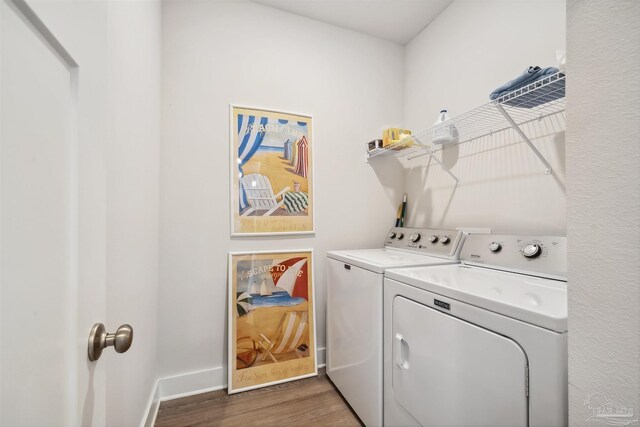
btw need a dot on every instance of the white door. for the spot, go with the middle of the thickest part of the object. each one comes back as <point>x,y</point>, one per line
<point>447,372</point>
<point>51,275</point>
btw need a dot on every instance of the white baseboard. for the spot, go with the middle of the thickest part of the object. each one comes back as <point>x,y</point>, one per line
<point>321,355</point>
<point>182,385</point>
<point>153,405</point>
<point>190,383</point>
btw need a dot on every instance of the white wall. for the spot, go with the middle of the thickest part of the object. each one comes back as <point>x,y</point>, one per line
<point>133,164</point>
<point>466,52</point>
<point>603,203</point>
<point>216,53</point>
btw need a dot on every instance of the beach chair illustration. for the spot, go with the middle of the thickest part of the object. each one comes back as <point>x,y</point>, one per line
<point>292,333</point>
<point>259,193</point>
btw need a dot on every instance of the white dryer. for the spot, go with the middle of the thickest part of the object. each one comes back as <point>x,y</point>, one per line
<point>354,309</point>
<point>481,343</point>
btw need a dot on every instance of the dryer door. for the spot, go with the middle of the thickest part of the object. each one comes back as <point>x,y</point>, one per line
<point>448,372</point>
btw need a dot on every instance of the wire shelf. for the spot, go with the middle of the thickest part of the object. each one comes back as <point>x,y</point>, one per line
<point>408,143</point>
<point>530,103</point>
<point>534,102</point>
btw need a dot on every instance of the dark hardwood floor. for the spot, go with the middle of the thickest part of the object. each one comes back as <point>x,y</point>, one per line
<point>312,401</point>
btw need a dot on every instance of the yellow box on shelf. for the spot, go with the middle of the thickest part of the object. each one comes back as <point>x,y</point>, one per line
<point>396,138</point>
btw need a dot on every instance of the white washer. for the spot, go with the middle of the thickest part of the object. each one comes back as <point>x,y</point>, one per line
<point>482,343</point>
<point>354,309</point>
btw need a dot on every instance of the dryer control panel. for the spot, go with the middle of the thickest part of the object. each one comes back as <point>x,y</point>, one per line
<point>428,241</point>
<point>536,255</point>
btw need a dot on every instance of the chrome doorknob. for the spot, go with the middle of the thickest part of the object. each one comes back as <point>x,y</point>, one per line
<point>99,339</point>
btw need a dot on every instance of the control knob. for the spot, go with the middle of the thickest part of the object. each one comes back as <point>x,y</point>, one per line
<point>531,250</point>
<point>400,236</point>
<point>433,238</point>
<point>495,247</point>
<point>414,237</point>
<point>445,240</point>
<point>392,235</point>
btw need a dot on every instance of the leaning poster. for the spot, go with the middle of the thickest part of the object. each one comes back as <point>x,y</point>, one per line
<point>271,172</point>
<point>271,318</point>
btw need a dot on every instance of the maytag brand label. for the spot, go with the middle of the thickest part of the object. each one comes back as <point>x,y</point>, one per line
<point>442,304</point>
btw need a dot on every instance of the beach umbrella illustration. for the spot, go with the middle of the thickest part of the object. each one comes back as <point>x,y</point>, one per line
<point>294,279</point>
<point>243,304</point>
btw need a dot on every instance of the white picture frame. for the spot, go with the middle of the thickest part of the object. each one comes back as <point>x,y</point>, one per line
<point>282,202</point>
<point>271,339</point>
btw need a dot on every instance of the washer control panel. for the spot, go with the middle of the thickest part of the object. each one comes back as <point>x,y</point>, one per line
<point>426,240</point>
<point>539,255</point>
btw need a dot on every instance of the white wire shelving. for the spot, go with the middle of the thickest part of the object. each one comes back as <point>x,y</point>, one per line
<point>535,102</point>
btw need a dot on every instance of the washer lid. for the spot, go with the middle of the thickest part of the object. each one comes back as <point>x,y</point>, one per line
<point>538,301</point>
<point>378,260</point>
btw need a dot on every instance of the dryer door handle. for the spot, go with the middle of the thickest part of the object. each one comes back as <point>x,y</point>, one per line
<point>400,351</point>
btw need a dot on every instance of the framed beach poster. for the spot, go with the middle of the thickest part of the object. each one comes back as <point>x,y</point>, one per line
<point>271,172</point>
<point>271,318</point>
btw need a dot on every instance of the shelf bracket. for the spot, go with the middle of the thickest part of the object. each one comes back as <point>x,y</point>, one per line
<point>526,139</point>
<point>433,156</point>
<point>446,169</point>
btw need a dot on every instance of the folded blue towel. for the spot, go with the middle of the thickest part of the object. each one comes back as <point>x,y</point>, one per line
<point>530,75</point>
